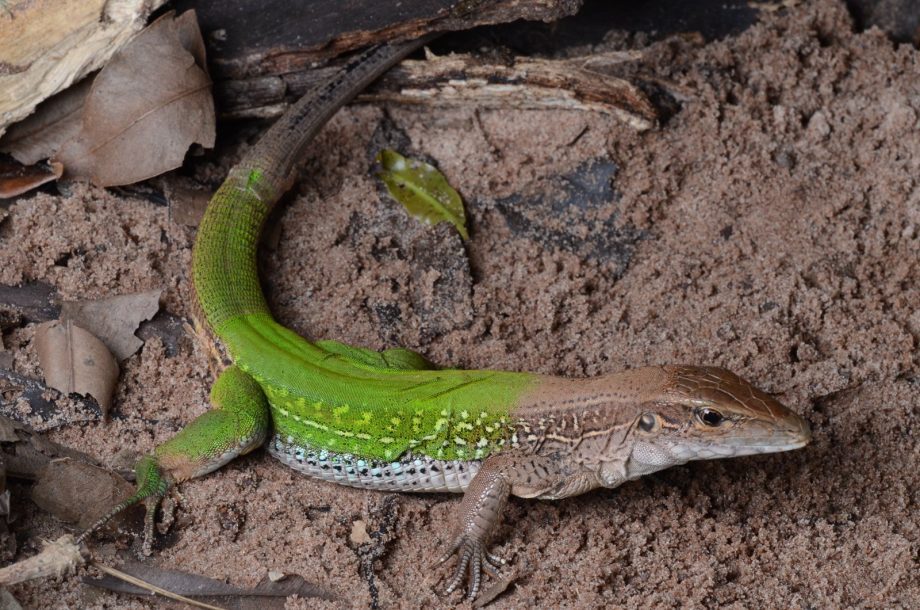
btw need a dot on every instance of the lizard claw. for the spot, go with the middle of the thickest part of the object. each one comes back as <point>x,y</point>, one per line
<point>473,560</point>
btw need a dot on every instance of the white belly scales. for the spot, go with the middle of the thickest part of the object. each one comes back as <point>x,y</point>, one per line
<point>408,473</point>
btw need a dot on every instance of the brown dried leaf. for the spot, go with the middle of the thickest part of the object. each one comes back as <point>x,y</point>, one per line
<point>190,37</point>
<point>146,107</point>
<point>114,320</point>
<point>267,595</point>
<point>79,493</point>
<point>16,179</point>
<point>56,558</point>
<point>55,121</point>
<point>75,361</point>
<point>26,452</point>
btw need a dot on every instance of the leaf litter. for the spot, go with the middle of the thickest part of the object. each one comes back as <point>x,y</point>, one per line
<point>267,595</point>
<point>115,319</point>
<point>78,352</point>
<point>54,122</point>
<point>146,107</point>
<point>74,360</point>
<point>67,483</point>
<point>16,179</point>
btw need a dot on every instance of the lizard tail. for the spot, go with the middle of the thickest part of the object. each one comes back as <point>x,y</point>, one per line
<point>224,259</point>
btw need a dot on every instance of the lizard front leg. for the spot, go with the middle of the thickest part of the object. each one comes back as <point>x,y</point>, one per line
<point>481,509</point>
<point>237,423</point>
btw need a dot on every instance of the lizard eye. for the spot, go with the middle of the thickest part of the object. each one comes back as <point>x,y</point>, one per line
<point>647,422</point>
<point>710,417</point>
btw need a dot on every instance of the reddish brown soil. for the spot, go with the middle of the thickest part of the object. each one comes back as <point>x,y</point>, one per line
<point>772,227</point>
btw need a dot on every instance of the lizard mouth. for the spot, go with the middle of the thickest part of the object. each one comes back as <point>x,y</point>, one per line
<point>795,435</point>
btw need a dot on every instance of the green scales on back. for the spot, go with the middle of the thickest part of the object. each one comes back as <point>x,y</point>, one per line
<point>328,395</point>
<point>376,405</point>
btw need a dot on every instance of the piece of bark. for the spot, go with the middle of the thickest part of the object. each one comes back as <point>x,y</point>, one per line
<point>580,83</point>
<point>6,358</point>
<point>32,302</point>
<point>74,360</point>
<point>248,38</point>
<point>57,558</point>
<point>47,45</point>
<point>529,83</point>
<point>29,401</point>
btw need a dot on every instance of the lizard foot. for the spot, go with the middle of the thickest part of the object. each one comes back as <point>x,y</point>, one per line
<point>152,485</point>
<point>473,560</point>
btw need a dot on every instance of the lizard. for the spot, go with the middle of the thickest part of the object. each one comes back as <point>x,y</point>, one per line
<point>391,420</point>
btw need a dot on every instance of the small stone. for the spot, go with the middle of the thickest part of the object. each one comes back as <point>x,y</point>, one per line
<point>359,533</point>
<point>818,127</point>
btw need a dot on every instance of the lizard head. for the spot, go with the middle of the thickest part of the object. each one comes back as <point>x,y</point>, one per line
<point>705,413</point>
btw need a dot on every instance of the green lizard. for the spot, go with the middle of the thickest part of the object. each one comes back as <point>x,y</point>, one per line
<point>390,420</point>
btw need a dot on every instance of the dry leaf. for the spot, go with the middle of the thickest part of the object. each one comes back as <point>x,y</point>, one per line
<point>76,492</point>
<point>114,320</point>
<point>55,121</point>
<point>56,559</point>
<point>264,596</point>
<point>146,107</point>
<point>16,179</point>
<point>73,360</point>
<point>190,37</point>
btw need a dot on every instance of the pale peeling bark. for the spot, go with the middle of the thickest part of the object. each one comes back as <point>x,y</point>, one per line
<point>47,45</point>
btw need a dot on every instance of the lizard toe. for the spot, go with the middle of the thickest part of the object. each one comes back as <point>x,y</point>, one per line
<point>472,560</point>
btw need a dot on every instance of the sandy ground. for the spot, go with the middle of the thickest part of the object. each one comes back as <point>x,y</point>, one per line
<point>771,227</point>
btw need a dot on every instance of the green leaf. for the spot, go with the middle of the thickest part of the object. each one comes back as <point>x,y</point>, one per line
<point>422,190</point>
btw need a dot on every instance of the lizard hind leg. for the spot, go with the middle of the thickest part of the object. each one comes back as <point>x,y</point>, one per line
<point>237,423</point>
<point>479,512</point>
